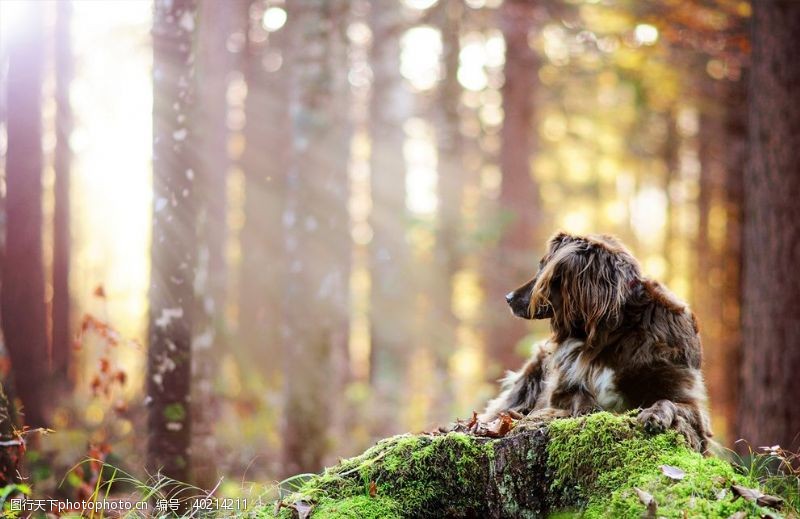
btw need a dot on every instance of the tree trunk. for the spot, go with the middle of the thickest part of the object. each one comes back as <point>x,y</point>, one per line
<point>768,410</point>
<point>317,232</point>
<point>391,297</point>
<point>23,309</point>
<point>10,453</point>
<point>515,259</point>
<point>61,341</point>
<point>450,191</point>
<point>215,64</point>
<point>174,240</point>
<point>736,156</point>
<point>265,162</point>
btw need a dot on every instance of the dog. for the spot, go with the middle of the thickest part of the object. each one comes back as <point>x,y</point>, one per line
<point>620,341</point>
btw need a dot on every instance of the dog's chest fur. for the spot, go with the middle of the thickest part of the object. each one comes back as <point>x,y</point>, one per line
<point>569,365</point>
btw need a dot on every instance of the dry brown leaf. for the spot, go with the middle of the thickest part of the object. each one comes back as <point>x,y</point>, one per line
<point>756,496</point>
<point>373,489</point>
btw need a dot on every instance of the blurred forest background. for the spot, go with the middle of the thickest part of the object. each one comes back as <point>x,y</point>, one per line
<point>276,231</point>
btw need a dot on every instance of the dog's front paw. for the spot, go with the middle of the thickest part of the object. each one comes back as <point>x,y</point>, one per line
<point>586,409</point>
<point>655,420</point>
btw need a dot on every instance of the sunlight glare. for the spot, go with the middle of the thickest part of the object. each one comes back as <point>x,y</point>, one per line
<point>645,34</point>
<point>420,154</point>
<point>472,60</point>
<point>13,17</point>
<point>648,214</point>
<point>419,58</point>
<point>274,18</point>
<point>113,156</point>
<point>420,5</point>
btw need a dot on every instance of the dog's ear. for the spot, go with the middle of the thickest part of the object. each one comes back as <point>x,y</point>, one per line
<point>591,282</point>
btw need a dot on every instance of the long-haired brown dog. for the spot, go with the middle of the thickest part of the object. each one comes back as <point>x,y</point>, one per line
<point>620,341</point>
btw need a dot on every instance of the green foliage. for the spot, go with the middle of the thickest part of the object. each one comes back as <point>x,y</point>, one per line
<point>777,470</point>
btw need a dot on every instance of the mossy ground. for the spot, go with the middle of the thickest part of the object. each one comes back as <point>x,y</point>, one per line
<point>596,461</point>
<point>401,476</point>
<point>606,456</point>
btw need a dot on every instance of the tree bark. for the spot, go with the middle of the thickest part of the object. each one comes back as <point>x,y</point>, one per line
<point>265,162</point>
<point>23,308</point>
<point>768,410</point>
<point>515,259</point>
<point>215,64</point>
<point>316,223</point>
<point>174,240</point>
<point>61,341</point>
<point>391,298</point>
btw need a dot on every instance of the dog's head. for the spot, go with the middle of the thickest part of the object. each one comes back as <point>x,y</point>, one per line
<point>582,285</point>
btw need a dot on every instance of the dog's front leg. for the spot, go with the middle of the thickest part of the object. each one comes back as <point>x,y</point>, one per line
<point>577,400</point>
<point>683,418</point>
<point>521,389</point>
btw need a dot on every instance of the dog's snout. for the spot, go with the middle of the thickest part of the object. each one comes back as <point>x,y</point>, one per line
<point>509,297</point>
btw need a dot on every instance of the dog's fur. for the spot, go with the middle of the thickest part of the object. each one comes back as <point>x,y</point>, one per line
<point>620,341</point>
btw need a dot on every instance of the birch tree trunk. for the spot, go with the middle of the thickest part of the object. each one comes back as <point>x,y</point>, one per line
<point>174,240</point>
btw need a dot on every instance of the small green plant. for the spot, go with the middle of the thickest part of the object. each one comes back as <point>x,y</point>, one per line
<point>777,469</point>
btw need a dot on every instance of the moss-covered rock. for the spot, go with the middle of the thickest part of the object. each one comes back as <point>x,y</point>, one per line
<point>589,465</point>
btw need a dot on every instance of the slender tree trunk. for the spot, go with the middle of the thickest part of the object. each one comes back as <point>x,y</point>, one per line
<point>391,297</point>
<point>264,162</point>
<point>450,190</point>
<point>23,309</point>
<point>174,239</point>
<point>710,256</point>
<point>768,408</point>
<point>736,156</point>
<point>62,338</point>
<point>671,152</point>
<point>519,198</point>
<point>318,236</point>
<point>215,63</point>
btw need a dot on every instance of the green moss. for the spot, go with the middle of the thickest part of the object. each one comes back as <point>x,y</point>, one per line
<point>411,475</point>
<point>358,507</point>
<point>175,413</point>
<point>603,457</point>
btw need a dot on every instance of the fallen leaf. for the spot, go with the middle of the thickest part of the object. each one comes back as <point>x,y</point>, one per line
<point>756,496</point>
<point>738,515</point>
<point>373,489</point>
<point>499,427</point>
<point>673,473</point>
<point>647,500</point>
<point>473,420</point>
<point>303,509</point>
